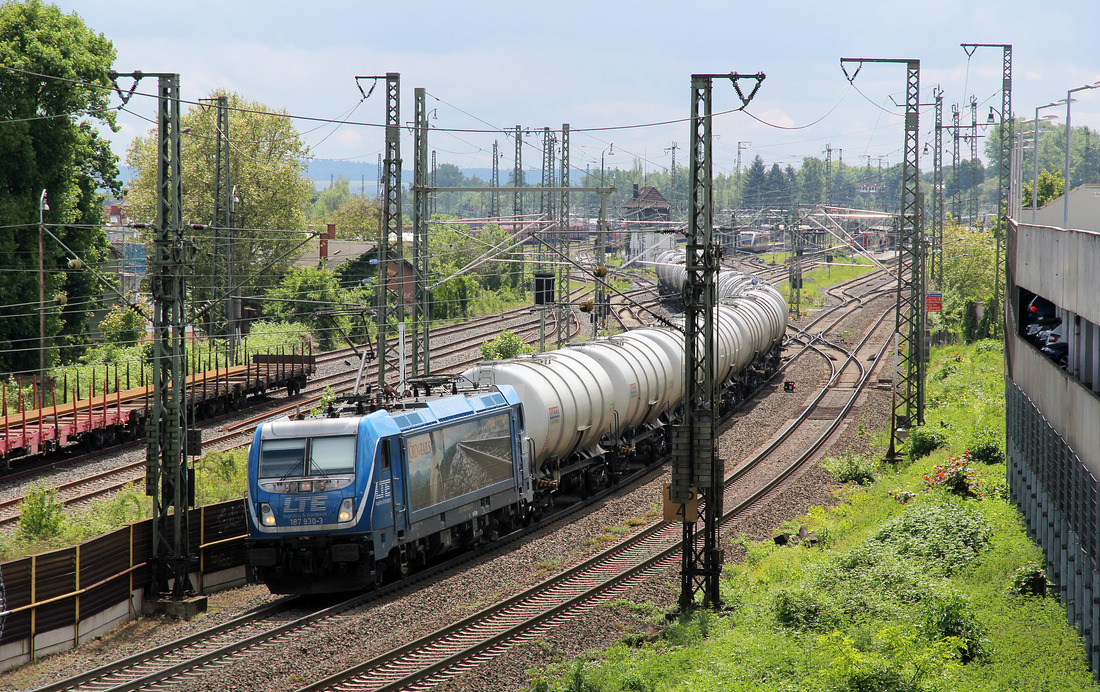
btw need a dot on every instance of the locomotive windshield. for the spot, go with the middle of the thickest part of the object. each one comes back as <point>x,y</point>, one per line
<point>307,456</point>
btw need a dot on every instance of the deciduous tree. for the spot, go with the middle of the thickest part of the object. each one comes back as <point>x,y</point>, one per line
<point>54,90</point>
<point>267,173</point>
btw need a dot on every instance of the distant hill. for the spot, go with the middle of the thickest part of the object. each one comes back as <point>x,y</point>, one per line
<point>363,177</point>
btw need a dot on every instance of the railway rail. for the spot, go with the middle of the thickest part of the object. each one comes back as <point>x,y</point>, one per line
<point>463,644</point>
<point>459,352</point>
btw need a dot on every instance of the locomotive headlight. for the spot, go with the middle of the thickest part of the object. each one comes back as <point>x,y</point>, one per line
<point>346,508</point>
<point>266,515</point>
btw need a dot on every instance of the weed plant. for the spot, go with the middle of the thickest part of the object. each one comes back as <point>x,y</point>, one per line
<point>911,587</point>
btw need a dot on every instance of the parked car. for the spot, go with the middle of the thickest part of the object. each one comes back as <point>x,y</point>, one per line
<point>1041,310</point>
<point>1056,347</point>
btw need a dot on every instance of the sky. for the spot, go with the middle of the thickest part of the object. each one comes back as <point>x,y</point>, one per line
<point>618,73</point>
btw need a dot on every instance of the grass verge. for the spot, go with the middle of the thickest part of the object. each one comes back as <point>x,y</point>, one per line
<point>922,579</point>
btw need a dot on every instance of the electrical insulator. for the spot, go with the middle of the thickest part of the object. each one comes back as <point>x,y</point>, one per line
<point>586,306</point>
<point>601,272</point>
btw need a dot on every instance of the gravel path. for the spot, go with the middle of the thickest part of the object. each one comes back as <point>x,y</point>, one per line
<point>288,666</point>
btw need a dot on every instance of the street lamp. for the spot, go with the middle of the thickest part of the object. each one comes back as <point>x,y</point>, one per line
<point>1035,156</point>
<point>1065,196</point>
<point>610,151</point>
<point>42,209</point>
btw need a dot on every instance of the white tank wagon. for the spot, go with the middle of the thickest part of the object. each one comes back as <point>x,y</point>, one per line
<point>594,407</point>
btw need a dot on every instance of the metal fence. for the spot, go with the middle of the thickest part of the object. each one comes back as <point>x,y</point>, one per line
<point>1057,496</point>
<point>56,600</point>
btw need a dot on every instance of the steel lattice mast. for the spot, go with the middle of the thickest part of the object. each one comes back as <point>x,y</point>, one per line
<point>391,306</point>
<point>221,268</point>
<point>696,468</point>
<point>421,355</point>
<point>564,285</point>
<point>937,192</point>
<point>908,406</point>
<point>1004,158</point>
<point>168,478</point>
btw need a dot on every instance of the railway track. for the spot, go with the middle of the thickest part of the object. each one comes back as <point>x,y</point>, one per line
<point>613,573</point>
<point>458,352</point>
<point>574,592</point>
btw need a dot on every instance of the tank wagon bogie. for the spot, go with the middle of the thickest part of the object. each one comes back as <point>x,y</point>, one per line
<point>339,503</point>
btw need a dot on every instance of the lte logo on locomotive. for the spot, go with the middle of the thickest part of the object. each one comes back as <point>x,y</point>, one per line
<point>292,505</point>
<point>383,491</point>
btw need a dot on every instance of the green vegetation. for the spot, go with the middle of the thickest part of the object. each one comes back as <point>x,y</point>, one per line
<point>815,281</point>
<point>52,153</point>
<point>270,193</point>
<point>921,580</point>
<point>45,525</point>
<point>507,344</point>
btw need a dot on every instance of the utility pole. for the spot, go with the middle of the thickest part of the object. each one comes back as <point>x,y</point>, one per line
<point>741,146</point>
<point>494,199</point>
<point>672,177</point>
<point>794,277</point>
<point>421,356</point>
<point>42,209</point>
<point>391,294</point>
<point>828,175</point>
<point>697,472</point>
<point>1004,179</point>
<point>937,192</point>
<point>565,288</point>
<point>432,197</point>
<point>168,478</point>
<point>956,197</point>
<point>972,197</point>
<point>221,268</point>
<point>517,212</point>
<point>908,405</point>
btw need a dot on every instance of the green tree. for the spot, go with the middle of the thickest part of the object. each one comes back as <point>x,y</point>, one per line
<point>54,89</point>
<point>969,262</point>
<point>314,296</point>
<point>330,199</point>
<point>1051,186</point>
<point>357,219</point>
<point>777,190</point>
<point>267,171</point>
<point>811,178</point>
<point>122,326</point>
<point>754,184</point>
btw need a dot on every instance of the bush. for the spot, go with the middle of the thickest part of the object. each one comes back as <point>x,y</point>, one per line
<point>946,534</point>
<point>923,441</point>
<point>989,346</point>
<point>1029,580</point>
<point>803,610</point>
<point>949,617</point>
<point>506,345</point>
<point>852,468</point>
<point>41,515</point>
<point>987,453</point>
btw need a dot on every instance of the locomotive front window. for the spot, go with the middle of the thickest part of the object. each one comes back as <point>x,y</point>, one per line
<point>281,458</point>
<point>332,455</point>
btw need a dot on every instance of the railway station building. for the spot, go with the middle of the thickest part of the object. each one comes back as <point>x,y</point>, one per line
<point>1052,393</point>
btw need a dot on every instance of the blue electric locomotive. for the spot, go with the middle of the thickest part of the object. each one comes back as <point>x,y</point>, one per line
<point>337,503</point>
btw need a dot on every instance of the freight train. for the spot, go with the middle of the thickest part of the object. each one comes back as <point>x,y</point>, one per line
<point>352,498</point>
